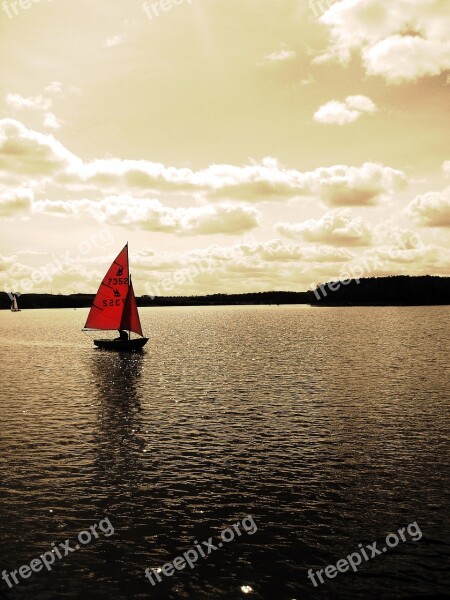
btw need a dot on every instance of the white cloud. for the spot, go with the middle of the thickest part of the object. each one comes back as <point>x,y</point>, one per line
<point>277,250</point>
<point>336,228</point>
<point>395,236</point>
<point>57,88</point>
<point>30,154</point>
<point>339,185</point>
<point>431,209</point>
<point>401,40</point>
<point>259,266</point>
<point>6,262</point>
<point>402,58</point>
<point>151,215</point>
<point>51,121</point>
<point>446,167</point>
<point>246,265</point>
<point>18,102</point>
<point>422,260</point>
<point>280,56</point>
<point>38,156</point>
<point>114,40</point>
<point>39,103</point>
<point>15,202</point>
<point>341,113</point>
<point>358,186</point>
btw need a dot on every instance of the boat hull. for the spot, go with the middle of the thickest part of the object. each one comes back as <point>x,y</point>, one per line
<point>122,345</point>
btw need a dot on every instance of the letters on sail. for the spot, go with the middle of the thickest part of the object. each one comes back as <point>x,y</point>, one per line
<point>114,306</point>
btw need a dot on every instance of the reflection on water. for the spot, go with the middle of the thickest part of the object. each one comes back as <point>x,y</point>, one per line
<point>117,442</point>
<point>330,427</point>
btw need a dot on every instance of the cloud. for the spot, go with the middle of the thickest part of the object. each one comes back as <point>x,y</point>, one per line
<point>18,102</point>
<point>446,167</point>
<point>28,153</point>
<point>338,185</point>
<point>431,209</point>
<point>358,186</point>
<point>15,202</point>
<point>401,40</point>
<point>334,228</point>
<point>66,276</point>
<point>243,266</point>
<point>280,56</point>
<point>40,103</point>
<point>341,113</point>
<point>115,40</point>
<point>6,262</point>
<point>57,88</point>
<point>395,236</point>
<point>151,215</point>
<point>248,264</point>
<point>277,250</point>
<point>405,58</point>
<point>51,121</point>
<point>391,260</point>
<point>41,156</point>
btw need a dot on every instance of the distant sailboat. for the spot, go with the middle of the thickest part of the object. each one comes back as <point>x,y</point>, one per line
<point>114,308</point>
<point>13,297</point>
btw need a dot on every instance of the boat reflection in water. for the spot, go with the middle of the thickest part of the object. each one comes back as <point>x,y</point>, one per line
<point>118,463</point>
<point>119,443</point>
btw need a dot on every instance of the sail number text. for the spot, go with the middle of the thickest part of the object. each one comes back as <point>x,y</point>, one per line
<point>113,302</point>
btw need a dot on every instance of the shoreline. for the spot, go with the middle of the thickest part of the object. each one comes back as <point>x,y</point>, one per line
<point>399,290</point>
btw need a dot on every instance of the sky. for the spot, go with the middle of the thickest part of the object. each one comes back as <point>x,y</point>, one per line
<point>236,145</point>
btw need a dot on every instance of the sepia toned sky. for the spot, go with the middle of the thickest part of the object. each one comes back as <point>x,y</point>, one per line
<point>237,145</point>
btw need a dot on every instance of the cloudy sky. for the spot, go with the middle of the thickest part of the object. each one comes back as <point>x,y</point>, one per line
<point>237,145</point>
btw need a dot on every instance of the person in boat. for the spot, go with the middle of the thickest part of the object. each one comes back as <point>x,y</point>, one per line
<point>123,336</point>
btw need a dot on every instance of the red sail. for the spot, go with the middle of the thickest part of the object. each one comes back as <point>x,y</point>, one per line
<point>108,305</point>
<point>130,317</point>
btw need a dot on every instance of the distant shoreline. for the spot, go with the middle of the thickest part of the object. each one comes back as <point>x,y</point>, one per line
<point>382,291</point>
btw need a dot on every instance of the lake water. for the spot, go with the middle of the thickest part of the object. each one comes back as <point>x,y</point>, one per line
<point>329,426</point>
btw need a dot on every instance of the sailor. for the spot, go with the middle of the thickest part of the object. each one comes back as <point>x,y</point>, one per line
<point>123,336</point>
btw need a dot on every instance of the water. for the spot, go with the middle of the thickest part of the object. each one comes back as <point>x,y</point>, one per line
<point>328,426</point>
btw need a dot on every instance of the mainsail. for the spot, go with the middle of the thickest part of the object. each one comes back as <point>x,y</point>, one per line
<point>114,305</point>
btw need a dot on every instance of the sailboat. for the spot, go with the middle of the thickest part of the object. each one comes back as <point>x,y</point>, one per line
<point>13,297</point>
<point>114,308</point>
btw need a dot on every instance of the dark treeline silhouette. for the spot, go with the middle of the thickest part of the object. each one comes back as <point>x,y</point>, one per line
<point>380,291</point>
<point>27,301</point>
<point>401,290</point>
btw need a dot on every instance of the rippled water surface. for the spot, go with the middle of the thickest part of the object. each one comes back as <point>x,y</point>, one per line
<point>329,426</point>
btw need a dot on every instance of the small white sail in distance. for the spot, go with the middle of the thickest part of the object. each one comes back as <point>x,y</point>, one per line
<point>13,297</point>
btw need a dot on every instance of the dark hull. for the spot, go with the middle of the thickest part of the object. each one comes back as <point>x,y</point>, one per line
<point>122,345</point>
